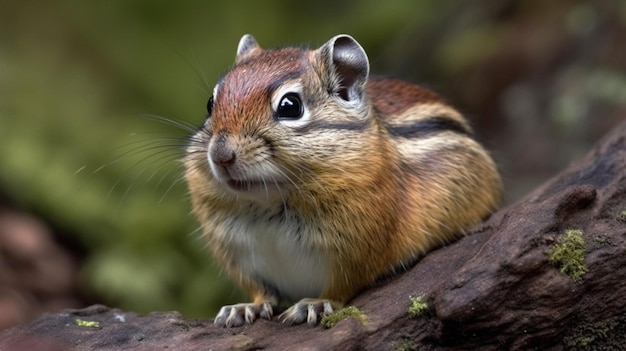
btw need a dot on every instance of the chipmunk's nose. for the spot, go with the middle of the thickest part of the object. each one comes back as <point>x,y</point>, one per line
<point>222,152</point>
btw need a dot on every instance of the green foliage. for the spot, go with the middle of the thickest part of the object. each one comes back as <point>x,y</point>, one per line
<point>87,324</point>
<point>585,335</point>
<point>330,320</point>
<point>569,254</point>
<point>418,306</point>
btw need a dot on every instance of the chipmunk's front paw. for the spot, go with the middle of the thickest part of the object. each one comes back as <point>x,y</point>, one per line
<point>309,310</point>
<point>237,315</point>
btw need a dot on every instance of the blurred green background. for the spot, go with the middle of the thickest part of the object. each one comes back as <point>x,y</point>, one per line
<point>540,81</point>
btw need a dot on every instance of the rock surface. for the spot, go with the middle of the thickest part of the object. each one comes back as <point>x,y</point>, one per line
<point>494,289</point>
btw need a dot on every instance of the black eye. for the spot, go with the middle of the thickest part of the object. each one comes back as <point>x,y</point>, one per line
<point>290,107</point>
<point>209,106</point>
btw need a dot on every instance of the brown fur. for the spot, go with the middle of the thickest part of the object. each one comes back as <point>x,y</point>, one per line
<point>371,201</point>
<point>391,97</point>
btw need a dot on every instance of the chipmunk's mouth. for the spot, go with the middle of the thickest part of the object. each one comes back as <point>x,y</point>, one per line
<point>252,185</point>
<point>249,184</point>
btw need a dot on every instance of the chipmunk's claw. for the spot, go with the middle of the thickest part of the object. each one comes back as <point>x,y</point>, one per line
<point>309,310</point>
<point>243,313</point>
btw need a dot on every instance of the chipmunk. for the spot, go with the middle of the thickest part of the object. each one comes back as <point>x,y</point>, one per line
<point>312,180</point>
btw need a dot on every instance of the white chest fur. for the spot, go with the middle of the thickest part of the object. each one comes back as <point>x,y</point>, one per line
<point>276,251</point>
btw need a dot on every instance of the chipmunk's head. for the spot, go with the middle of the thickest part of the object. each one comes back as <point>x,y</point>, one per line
<point>284,119</point>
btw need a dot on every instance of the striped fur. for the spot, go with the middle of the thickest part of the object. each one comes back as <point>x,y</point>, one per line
<point>379,173</point>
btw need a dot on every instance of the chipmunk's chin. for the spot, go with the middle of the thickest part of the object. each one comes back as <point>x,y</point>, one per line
<point>257,190</point>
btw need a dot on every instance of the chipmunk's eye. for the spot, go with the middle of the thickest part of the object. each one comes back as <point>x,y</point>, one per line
<point>290,107</point>
<point>209,106</point>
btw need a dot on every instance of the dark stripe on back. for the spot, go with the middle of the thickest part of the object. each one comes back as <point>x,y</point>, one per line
<point>428,126</point>
<point>354,126</point>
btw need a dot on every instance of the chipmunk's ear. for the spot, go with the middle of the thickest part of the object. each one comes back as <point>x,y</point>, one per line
<point>247,44</point>
<point>347,65</point>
